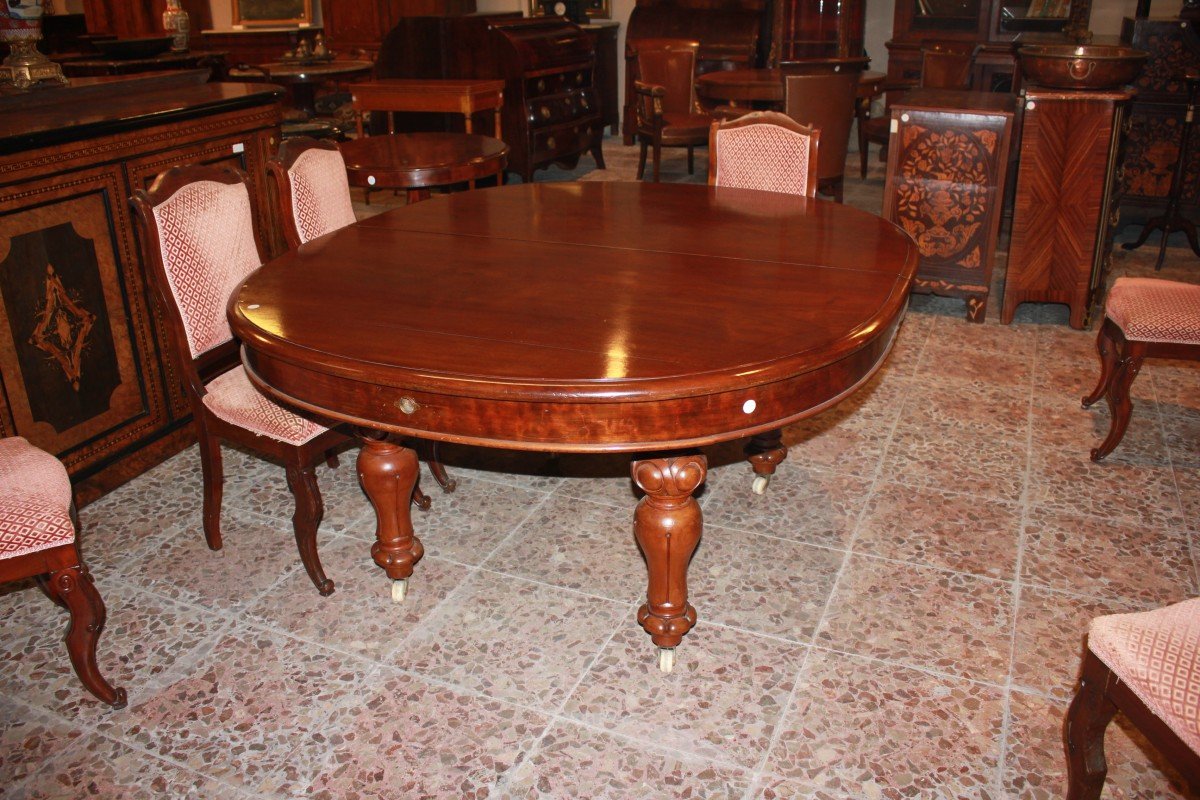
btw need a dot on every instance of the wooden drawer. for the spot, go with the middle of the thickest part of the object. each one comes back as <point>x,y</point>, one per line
<point>556,142</point>
<point>557,82</point>
<point>560,108</point>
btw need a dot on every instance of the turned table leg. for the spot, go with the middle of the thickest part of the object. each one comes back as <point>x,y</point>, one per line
<point>388,473</point>
<point>667,525</point>
<point>765,452</point>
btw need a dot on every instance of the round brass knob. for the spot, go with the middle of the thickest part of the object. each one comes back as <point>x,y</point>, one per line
<point>407,405</point>
<point>550,142</point>
<point>541,84</point>
<point>545,112</point>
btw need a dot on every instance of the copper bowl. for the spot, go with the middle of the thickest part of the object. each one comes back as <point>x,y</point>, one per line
<point>1085,66</point>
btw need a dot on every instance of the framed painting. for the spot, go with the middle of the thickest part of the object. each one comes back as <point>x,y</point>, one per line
<point>594,9</point>
<point>272,12</point>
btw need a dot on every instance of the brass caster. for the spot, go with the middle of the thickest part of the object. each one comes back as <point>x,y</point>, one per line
<point>666,659</point>
<point>399,590</point>
<point>761,482</point>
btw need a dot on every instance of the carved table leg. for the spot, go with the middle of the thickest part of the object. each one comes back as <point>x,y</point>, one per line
<point>765,452</point>
<point>72,587</point>
<point>667,525</point>
<point>388,472</point>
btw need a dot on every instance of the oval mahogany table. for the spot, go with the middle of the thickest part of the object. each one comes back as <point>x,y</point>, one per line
<point>416,161</point>
<point>579,317</point>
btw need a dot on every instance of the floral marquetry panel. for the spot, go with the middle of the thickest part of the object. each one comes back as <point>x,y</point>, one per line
<point>72,319</point>
<point>947,163</point>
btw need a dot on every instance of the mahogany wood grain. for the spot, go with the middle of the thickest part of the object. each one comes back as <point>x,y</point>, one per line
<point>420,160</point>
<point>464,96</point>
<point>582,317</point>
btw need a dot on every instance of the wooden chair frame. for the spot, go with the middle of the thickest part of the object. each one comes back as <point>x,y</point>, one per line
<point>1120,362</point>
<point>299,460</point>
<point>280,180</point>
<point>650,127</point>
<point>63,577</point>
<point>1100,696</point>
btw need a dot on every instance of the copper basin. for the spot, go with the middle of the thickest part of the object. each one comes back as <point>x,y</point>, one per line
<point>1087,66</point>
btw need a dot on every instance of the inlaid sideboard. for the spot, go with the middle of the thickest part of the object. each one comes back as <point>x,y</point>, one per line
<point>84,369</point>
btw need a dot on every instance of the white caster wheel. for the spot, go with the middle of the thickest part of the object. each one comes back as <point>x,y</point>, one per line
<point>761,482</point>
<point>666,659</point>
<point>399,590</point>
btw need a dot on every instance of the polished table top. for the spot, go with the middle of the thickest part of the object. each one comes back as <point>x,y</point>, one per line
<point>765,85</point>
<point>589,317</point>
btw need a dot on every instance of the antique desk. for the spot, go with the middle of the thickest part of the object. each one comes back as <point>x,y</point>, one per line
<point>416,161</point>
<point>464,96</point>
<point>948,160</point>
<point>579,317</point>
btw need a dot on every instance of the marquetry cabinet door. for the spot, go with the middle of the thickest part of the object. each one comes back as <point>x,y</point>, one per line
<point>946,170</point>
<point>1066,200</point>
<point>78,361</point>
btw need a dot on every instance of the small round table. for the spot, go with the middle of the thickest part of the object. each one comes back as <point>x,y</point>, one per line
<point>416,161</point>
<point>303,79</point>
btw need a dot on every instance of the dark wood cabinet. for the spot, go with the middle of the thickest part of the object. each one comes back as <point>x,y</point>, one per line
<point>1065,208</point>
<point>948,158</point>
<point>604,39</point>
<point>1156,118</point>
<point>803,29</point>
<point>83,371</point>
<point>362,24</point>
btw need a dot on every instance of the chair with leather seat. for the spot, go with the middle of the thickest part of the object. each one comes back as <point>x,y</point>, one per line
<point>944,65</point>
<point>1145,665</point>
<point>668,113</point>
<point>826,102</point>
<point>196,228</point>
<point>38,528</point>
<point>1143,318</point>
<point>764,150</point>
<point>312,195</point>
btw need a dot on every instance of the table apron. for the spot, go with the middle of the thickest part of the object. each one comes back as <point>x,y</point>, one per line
<point>570,426</point>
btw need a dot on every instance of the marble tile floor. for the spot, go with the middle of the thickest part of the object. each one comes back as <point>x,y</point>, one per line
<point>900,616</point>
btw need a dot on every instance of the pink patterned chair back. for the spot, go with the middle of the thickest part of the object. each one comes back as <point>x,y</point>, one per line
<point>206,239</point>
<point>320,193</point>
<point>764,150</point>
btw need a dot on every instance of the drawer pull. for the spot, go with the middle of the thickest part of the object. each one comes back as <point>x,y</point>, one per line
<point>407,405</point>
<point>545,112</point>
<point>541,84</point>
<point>550,142</point>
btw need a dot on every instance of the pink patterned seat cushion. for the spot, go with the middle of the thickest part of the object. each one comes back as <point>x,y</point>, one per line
<point>206,237</point>
<point>234,399</point>
<point>1152,310</point>
<point>1157,654</point>
<point>35,500</point>
<point>763,156</point>
<point>320,193</point>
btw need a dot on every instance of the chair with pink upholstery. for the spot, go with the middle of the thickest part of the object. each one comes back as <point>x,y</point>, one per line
<point>1143,318</point>
<point>37,539</point>
<point>668,111</point>
<point>1147,666</point>
<point>764,150</point>
<point>312,196</point>
<point>196,230</point>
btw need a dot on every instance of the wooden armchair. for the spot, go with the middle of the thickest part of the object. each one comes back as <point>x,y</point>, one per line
<point>1147,666</point>
<point>668,114</point>
<point>196,230</point>
<point>37,540</point>
<point>1143,318</point>
<point>826,102</point>
<point>311,193</point>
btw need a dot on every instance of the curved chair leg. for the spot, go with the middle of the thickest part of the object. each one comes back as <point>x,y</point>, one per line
<point>1106,348</point>
<point>657,158</point>
<point>1087,719</point>
<point>641,173</point>
<point>420,499</point>
<point>438,470</point>
<point>302,481</point>
<point>73,588</point>
<point>43,582</point>
<point>214,487</point>
<point>691,160</point>
<point>1119,404</point>
<point>331,459</point>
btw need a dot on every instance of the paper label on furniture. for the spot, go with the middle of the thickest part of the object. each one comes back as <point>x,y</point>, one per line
<point>749,406</point>
<point>895,125</point>
<point>239,147</point>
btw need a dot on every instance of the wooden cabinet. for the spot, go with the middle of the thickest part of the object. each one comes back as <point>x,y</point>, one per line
<point>1156,118</point>
<point>1065,208</point>
<point>84,371</point>
<point>604,41</point>
<point>948,158</point>
<point>362,24</point>
<point>803,29</point>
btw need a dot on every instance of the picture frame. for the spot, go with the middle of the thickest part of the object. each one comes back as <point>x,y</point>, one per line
<point>595,9</point>
<point>271,12</point>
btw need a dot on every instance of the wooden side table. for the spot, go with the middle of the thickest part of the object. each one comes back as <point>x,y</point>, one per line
<point>416,161</point>
<point>452,96</point>
<point>1066,200</point>
<point>947,164</point>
